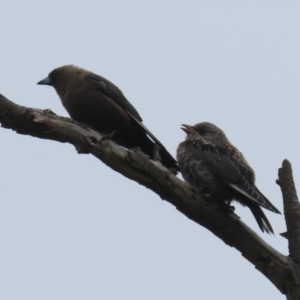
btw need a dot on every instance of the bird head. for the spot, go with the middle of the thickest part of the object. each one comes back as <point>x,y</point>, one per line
<point>205,130</point>
<point>59,78</point>
<point>54,76</point>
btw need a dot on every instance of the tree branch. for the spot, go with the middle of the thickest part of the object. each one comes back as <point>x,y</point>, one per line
<point>291,208</point>
<point>137,166</point>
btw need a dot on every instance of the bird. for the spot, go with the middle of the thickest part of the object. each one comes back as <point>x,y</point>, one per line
<point>97,102</point>
<point>219,172</point>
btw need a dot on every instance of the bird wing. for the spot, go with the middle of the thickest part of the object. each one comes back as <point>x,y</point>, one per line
<point>226,170</point>
<point>116,95</point>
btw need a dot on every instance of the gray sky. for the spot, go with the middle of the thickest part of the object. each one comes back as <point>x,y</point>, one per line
<point>70,227</point>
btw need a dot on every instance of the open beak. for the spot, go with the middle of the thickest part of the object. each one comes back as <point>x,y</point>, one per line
<point>188,129</point>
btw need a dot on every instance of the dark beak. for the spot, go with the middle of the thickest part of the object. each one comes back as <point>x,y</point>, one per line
<point>45,81</point>
<point>188,129</point>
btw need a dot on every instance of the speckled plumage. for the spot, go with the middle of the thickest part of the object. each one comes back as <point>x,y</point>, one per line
<point>219,171</point>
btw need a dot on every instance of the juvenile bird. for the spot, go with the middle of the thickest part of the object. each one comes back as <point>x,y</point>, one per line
<point>94,100</point>
<point>219,171</point>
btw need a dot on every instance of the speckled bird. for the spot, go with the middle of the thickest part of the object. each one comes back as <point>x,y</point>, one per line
<point>218,171</point>
<point>94,100</point>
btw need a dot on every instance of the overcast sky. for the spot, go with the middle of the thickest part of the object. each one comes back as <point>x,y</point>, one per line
<point>70,227</point>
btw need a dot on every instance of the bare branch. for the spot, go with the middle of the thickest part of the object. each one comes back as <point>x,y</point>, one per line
<point>138,167</point>
<point>292,217</point>
<point>291,208</point>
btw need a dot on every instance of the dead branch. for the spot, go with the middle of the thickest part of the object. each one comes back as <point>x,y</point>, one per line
<point>281,270</point>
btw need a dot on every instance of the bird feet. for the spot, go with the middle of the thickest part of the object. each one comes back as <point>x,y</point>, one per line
<point>228,208</point>
<point>108,136</point>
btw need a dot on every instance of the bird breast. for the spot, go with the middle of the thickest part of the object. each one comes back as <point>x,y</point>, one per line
<point>196,172</point>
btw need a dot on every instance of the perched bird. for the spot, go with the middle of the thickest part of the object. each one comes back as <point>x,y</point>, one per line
<point>219,171</point>
<point>94,100</point>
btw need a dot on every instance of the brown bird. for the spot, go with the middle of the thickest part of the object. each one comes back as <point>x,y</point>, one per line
<point>219,171</point>
<point>92,99</point>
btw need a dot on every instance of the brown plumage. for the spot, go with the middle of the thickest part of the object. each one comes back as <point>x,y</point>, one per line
<point>219,171</point>
<point>94,100</point>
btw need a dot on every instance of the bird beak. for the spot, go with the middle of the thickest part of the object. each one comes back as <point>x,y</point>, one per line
<point>45,81</point>
<point>188,129</point>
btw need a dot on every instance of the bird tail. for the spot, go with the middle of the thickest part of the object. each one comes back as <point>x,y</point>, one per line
<point>167,159</point>
<point>261,218</point>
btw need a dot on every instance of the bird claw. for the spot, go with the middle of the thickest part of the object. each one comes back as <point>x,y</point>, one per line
<point>105,136</point>
<point>228,208</point>
<point>108,136</point>
<point>231,208</point>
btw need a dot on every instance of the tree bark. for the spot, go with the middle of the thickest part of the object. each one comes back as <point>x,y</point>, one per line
<point>283,271</point>
<point>291,209</point>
